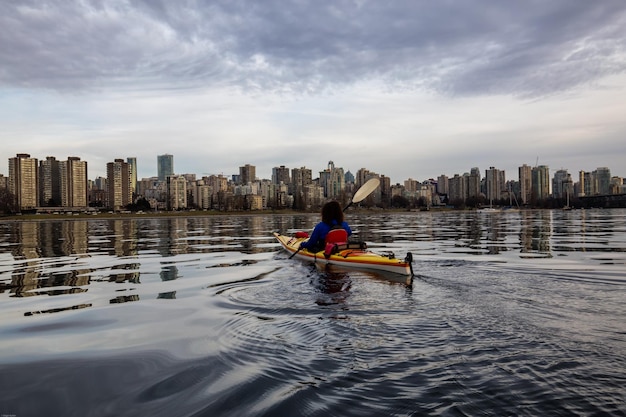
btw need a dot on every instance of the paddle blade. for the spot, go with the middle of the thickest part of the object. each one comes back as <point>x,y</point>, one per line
<point>365,190</point>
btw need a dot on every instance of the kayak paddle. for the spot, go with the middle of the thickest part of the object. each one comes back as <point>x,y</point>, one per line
<point>364,191</point>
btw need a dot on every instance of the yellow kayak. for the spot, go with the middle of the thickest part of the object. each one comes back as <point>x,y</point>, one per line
<point>355,258</point>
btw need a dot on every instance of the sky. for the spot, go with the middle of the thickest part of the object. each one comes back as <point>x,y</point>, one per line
<point>405,89</point>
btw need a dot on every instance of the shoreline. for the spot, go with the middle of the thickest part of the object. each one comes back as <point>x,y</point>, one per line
<point>203,213</point>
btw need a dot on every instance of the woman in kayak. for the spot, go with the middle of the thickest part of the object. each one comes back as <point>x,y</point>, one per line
<point>332,218</point>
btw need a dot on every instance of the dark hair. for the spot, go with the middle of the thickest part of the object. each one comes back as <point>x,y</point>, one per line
<point>332,211</point>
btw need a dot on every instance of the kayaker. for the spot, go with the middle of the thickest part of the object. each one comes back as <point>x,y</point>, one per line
<point>332,217</point>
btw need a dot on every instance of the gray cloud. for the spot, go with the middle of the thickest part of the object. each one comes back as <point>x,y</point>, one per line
<point>528,48</point>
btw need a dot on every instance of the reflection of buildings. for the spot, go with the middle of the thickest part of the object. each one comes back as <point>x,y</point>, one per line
<point>535,231</point>
<point>125,237</point>
<point>171,236</point>
<point>168,272</point>
<point>26,276</point>
<point>49,240</point>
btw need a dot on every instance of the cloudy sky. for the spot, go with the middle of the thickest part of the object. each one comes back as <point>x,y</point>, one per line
<point>408,89</point>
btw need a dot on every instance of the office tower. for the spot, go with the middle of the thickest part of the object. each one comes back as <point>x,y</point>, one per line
<point>301,177</point>
<point>100,183</point>
<point>443,185</point>
<point>540,177</point>
<point>458,188</point>
<point>165,166</point>
<point>410,185</point>
<point>562,183</point>
<point>349,177</point>
<point>473,183</point>
<point>49,182</point>
<point>332,179</point>
<point>581,183</point>
<point>247,174</point>
<point>23,180</point>
<point>590,185</point>
<point>603,178</point>
<point>525,183</point>
<point>132,166</point>
<point>385,189</point>
<point>280,174</point>
<point>73,182</point>
<point>176,192</point>
<point>362,175</point>
<point>495,183</point>
<point>118,182</point>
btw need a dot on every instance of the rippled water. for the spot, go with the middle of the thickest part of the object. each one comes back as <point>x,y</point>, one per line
<point>517,313</point>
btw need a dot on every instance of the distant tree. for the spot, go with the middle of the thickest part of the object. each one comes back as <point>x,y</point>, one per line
<point>473,201</point>
<point>457,203</point>
<point>7,201</point>
<point>140,205</point>
<point>399,201</point>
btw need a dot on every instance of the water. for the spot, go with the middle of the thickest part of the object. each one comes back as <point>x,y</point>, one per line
<point>510,314</point>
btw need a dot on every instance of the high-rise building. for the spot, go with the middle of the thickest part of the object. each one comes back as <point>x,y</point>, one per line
<point>443,185</point>
<point>562,184</point>
<point>132,165</point>
<point>165,166</point>
<point>603,177</point>
<point>302,177</point>
<point>473,183</point>
<point>280,174</point>
<point>581,183</point>
<point>332,180</point>
<point>540,176</point>
<point>49,182</point>
<point>458,188</point>
<point>247,174</point>
<point>363,175</point>
<point>349,177</point>
<point>301,180</point>
<point>23,180</point>
<point>495,184</point>
<point>176,192</point>
<point>73,182</point>
<point>525,183</point>
<point>118,184</point>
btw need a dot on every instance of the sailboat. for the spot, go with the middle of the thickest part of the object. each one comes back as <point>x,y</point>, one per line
<point>567,206</point>
<point>489,209</point>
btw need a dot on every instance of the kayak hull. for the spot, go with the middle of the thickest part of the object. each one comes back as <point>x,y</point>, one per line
<point>362,259</point>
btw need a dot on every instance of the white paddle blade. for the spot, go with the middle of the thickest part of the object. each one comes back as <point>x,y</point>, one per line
<point>365,190</point>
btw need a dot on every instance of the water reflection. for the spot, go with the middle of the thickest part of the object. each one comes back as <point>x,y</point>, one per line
<point>70,256</point>
<point>332,285</point>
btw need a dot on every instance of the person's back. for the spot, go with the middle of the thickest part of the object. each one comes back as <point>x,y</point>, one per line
<point>332,217</point>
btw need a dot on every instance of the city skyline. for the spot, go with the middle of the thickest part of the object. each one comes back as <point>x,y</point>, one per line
<point>251,167</point>
<point>400,87</point>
